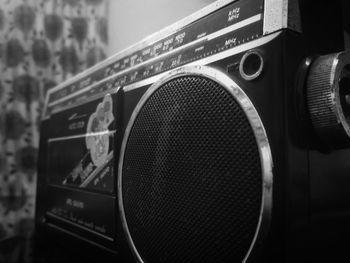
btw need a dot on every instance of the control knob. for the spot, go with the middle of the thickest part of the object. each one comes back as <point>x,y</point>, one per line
<point>328,98</point>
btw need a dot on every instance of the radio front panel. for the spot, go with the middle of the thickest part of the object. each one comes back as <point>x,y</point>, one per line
<point>229,26</point>
<point>85,117</point>
<point>88,121</point>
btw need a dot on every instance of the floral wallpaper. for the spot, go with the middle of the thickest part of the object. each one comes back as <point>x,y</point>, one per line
<point>42,43</point>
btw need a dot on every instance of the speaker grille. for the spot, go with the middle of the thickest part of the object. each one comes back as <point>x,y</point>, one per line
<point>191,175</point>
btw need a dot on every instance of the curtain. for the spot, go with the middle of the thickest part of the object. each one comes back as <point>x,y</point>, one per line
<point>42,43</point>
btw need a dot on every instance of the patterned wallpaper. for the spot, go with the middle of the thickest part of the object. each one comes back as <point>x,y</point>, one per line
<point>42,43</point>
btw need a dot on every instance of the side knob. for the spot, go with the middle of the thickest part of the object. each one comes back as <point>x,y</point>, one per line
<point>328,98</point>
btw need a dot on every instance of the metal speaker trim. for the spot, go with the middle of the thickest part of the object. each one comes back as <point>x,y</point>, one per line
<point>259,131</point>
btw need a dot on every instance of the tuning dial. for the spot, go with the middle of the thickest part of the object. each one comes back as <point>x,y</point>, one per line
<point>328,98</point>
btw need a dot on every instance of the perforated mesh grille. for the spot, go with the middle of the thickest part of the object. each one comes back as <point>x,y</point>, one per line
<point>191,177</point>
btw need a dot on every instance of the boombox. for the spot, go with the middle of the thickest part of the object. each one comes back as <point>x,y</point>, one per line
<point>222,138</point>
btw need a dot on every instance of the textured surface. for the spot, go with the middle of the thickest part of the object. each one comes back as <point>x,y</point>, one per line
<point>326,93</point>
<point>191,179</point>
<point>42,43</point>
<point>320,94</point>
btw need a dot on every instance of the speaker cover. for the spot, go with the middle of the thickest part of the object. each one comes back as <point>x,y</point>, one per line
<point>195,174</point>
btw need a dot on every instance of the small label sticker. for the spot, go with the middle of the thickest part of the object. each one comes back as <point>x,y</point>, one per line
<point>98,143</point>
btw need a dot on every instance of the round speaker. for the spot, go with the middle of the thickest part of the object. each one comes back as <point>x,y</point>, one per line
<point>195,173</point>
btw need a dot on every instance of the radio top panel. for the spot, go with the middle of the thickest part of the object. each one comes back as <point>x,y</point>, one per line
<point>218,27</point>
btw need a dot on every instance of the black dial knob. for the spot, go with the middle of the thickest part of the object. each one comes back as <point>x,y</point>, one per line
<point>328,98</point>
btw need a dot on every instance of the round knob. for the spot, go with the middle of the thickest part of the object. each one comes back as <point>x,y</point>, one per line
<point>328,98</point>
<point>251,65</point>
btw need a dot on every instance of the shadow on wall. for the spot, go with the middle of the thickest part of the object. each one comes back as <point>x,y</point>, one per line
<point>42,43</point>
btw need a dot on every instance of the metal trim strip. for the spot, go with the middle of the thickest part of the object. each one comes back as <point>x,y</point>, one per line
<point>80,136</point>
<point>149,40</point>
<point>219,33</point>
<point>281,14</point>
<point>112,91</point>
<point>207,60</point>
